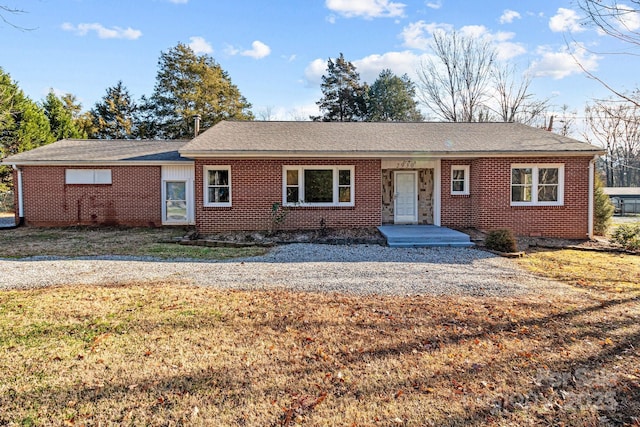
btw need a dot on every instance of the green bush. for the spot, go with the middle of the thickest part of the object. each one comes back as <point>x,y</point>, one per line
<point>627,235</point>
<point>603,209</point>
<point>501,240</point>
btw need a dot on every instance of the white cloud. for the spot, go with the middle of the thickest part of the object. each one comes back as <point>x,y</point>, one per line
<point>314,72</point>
<point>367,9</point>
<point>231,51</point>
<point>565,20</point>
<point>561,64</point>
<point>434,4</point>
<point>417,35</point>
<point>369,67</point>
<point>505,48</point>
<point>400,63</point>
<point>179,1</point>
<point>102,31</point>
<point>200,45</point>
<point>629,18</point>
<point>508,16</point>
<point>258,50</point>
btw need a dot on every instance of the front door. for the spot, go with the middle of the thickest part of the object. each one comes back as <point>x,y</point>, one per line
<point>176,207</point>
<point>406,197</point>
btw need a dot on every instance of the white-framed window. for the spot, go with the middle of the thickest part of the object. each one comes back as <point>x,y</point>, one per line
<point>217,186</point>
<point>318,185</point>
<point>87,176</point>
<point>460,180</point>
<point>537,184</point>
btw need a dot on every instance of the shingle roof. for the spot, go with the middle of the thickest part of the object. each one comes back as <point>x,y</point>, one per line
<point>96,151</point>
<point>380,138</point>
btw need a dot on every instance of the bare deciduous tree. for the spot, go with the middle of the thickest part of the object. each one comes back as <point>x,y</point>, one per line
<point>615,126</point>
<point>464,82</point>
<point>620,21</point>
<point>453,84</point>
<point>513,100</point>
<point>8,10</point>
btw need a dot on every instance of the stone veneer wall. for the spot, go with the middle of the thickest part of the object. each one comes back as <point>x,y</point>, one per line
<point>425,195</point>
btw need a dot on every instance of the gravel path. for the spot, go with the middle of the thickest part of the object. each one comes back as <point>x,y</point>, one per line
<point>361,269</point>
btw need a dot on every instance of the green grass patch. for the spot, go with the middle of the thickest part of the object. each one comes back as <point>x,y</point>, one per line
<point>86,241</point>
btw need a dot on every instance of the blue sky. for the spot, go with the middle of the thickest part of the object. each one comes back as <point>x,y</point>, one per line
<point>276,51</point>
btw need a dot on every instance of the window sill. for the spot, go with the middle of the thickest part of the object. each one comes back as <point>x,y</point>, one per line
<point>536,205</point>
<point>217,205</point>
<point>319,205</point>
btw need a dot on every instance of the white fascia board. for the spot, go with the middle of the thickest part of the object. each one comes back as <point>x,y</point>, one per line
<point>377,154</point>
<point>100,163</point>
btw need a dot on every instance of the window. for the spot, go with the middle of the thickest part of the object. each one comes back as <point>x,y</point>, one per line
<point>538,185</point>
<point>217,186</point>
<point>87,176</point>
<point>459,180</point>
<point>318,185</point>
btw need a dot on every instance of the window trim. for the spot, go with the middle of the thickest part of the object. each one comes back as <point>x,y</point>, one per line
<point>205,181</point>
<point>97,176</point>
<point>336,185</point>
<point>535,167</point>
<point>465,189</point>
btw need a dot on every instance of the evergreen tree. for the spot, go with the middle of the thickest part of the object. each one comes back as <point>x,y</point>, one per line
<point>23,124</point>
<point>391,99</point>
<point>344,98</point>
<point>603,208</point>
<point>60,118</point>
<point>114,116</point>
<point>83,121</point>
<point>188,84</point>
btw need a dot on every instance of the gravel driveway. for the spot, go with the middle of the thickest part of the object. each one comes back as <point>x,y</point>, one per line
<point>362,269</point>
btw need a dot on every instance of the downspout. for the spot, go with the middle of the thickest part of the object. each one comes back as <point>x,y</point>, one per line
<point>20,197</point>
<point>591,196</point>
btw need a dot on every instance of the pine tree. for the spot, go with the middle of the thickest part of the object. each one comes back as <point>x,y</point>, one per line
<point>23,124</point>
<point>391,99</point>
<point>603,208</point>
<point>60,118</point>
<point>344,98</point>
<point>114,116</point>
<point>188,84</point>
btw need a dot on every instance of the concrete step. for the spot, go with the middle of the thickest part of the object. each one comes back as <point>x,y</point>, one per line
<point>411,236</point>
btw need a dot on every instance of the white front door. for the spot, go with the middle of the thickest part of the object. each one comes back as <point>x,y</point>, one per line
<point>176,205</point>
<point>177,195</point>
<point>405,206</point>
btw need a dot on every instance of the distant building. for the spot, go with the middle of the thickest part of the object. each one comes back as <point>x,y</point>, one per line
<point>625,199</point>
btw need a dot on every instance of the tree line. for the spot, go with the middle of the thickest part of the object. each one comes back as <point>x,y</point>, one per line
<point>462,80</point>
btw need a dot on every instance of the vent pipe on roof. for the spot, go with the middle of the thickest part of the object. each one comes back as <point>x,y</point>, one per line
<point>196,125</point>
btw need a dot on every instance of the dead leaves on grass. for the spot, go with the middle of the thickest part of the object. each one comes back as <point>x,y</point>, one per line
<point>303,358</point>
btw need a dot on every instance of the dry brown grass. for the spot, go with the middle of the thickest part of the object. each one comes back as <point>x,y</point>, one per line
<point>170,354</point>
<point>591,270</point>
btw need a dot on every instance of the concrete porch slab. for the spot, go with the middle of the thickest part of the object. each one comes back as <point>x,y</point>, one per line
<point>407,236</point>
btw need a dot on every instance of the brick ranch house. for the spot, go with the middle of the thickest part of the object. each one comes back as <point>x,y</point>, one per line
<point>477,175</point>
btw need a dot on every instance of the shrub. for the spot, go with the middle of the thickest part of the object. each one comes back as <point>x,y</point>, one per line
<point>603,209</point>
<point>501,240</point>
<point>627,235</point>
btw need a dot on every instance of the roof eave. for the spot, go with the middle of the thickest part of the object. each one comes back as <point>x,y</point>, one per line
<point>96,162</point>
<point>381,154</point>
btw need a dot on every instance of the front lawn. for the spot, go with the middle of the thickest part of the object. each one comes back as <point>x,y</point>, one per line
<point>92,241</point>
<point>171,354</point>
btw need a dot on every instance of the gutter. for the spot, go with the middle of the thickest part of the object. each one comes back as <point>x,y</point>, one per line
<point>20,197</point>
<point>591,208</point>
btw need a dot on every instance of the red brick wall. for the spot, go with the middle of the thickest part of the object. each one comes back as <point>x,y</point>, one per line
<point>133,199</point>
<point>257,184</point>
<point>488,207</point>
